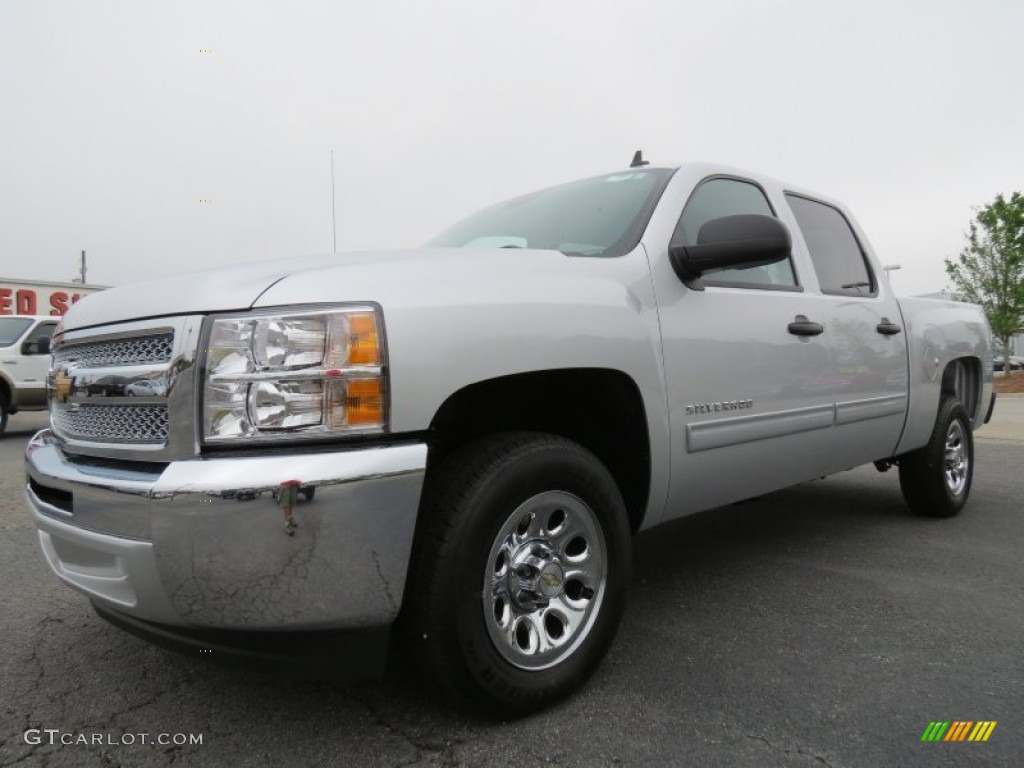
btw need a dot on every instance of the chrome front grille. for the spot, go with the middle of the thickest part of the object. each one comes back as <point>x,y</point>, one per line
<point>136,424</point>
<point>134,350</point>
<point>127,390</point>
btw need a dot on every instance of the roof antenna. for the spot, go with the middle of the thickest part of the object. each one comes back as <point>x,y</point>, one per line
<point>638,160</point>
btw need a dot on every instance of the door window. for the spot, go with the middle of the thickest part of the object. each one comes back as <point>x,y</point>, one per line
<point>719,197</point>
<point>837,256</point>
<point>41,333</point>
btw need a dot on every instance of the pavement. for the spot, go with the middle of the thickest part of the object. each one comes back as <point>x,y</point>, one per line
<point>823,625</point>
<point>1007,420</point>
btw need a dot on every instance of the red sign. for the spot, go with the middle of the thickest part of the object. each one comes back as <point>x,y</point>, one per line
<point>39,299</point>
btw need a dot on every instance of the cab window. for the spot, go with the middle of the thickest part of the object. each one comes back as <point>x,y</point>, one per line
<point>11,329</point>
<point>838,259</point>
<point>41,331</point>
<point>37,342</point>
<point>717,197</point>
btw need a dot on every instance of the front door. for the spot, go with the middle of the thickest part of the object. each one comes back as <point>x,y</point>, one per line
<point>33,366</point>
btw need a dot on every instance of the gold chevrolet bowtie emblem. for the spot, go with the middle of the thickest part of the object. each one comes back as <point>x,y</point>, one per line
<point>551,580</point>
<point>62,387</point>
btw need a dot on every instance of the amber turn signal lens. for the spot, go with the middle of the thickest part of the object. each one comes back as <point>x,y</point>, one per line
<point>363,403</point>
<point>362,333</point>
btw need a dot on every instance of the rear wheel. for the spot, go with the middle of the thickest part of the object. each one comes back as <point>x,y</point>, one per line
<point>4,411</point>
<point>936,479</point>
<point>521,571</point>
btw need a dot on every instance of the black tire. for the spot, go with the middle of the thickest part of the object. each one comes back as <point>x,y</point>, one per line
<point>930,487</point>
<point>464,538</point>
<point>4,410</point>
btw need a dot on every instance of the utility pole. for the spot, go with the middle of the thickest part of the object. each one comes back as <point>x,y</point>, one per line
<point>81,271</point>
<point>334,222</point>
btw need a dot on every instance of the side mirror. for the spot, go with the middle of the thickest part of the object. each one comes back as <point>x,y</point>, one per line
<point>739,242</point>
<point>38,347</point>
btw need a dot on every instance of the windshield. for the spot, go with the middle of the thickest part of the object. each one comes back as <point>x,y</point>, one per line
<point>602,216</point>
<point>11,329</point>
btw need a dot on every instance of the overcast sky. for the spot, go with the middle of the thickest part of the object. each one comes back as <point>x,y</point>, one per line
<point>117,122</point>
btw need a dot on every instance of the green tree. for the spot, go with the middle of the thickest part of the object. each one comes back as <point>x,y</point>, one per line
<point>990,270</point>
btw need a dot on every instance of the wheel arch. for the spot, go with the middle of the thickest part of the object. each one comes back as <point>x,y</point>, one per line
<point>7,391</point>
<point>599,408</point>
<point>961,378</point>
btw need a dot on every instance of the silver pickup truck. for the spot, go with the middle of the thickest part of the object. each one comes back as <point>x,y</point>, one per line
<point>459,441</point>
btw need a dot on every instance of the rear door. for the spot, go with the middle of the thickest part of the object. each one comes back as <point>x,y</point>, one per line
<point>864,331</point>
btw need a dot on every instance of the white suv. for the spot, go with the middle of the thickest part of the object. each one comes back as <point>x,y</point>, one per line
<point>24,361</point>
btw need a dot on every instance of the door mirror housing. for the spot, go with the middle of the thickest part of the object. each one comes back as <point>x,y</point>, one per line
<point>38,347</point>
<point>744,241</point>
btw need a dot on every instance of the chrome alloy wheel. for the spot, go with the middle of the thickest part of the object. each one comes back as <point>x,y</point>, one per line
<point>545,580</point>
<point>957,462</point>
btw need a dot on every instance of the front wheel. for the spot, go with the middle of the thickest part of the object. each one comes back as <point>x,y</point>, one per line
<point>936,479</point>
<point>521,572</point>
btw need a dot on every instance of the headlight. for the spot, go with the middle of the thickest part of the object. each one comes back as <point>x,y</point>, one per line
<point>294,374</point>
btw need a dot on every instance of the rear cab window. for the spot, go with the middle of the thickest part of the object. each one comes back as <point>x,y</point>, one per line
<point>838,258</point>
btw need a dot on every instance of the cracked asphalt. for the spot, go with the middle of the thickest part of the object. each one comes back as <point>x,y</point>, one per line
<point>819,626</point>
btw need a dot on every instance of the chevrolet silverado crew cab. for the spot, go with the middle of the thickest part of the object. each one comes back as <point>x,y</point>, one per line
<point>459,441</point>
<point>24,360</point>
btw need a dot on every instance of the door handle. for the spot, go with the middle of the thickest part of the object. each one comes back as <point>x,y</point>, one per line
<point>801,326</point>
<point>887,328</point>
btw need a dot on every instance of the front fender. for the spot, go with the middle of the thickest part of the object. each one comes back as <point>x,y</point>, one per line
<point>459,317</point>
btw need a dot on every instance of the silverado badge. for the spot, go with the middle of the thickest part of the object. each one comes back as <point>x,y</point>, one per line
<point>724,405</point>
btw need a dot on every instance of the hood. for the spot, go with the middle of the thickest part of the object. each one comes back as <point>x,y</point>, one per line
<point>363,276</point>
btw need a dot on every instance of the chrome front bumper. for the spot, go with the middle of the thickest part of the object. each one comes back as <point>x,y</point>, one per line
<point>203,543</point>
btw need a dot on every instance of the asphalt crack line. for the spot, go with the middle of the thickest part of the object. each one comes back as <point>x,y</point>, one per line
<point>424,748</point>
<point>384,582</point>
<point>777,748</point>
